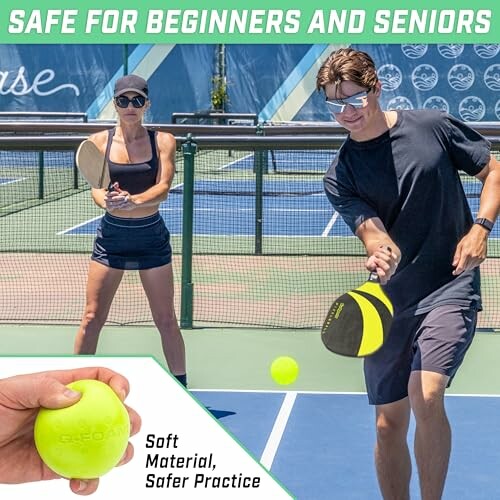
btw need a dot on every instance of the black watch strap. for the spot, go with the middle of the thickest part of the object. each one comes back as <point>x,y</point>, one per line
<point>487,224</point>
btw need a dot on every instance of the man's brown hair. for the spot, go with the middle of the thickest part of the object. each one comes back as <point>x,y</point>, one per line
<point>347,65</point>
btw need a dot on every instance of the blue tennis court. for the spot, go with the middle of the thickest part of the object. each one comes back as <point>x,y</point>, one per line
<point>293,205</point>
<point>294,161</point>
<point>291,208</point>
<point>234,214</point>
<point>320,445</point>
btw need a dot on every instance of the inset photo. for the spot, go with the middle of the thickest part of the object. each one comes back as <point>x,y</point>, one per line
<point>116,426</point>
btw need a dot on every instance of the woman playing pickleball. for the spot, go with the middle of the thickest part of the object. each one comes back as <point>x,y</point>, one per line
<point>132,234</point>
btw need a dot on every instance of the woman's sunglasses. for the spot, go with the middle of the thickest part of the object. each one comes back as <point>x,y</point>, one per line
<point>138,101</point>
<point>356,101</point>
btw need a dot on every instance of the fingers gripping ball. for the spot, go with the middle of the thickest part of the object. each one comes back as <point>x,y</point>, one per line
<point>284,370</point>
<point>87,439</point>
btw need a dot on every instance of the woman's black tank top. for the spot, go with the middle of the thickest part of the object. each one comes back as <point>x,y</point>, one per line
<point>134,177</point>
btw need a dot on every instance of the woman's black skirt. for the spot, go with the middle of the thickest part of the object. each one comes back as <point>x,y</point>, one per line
<point>124,243</point>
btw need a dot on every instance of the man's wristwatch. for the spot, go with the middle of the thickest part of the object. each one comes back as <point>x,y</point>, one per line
<point>487,224</point>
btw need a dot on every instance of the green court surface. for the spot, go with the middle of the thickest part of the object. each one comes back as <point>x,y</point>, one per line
<point>239,359</point>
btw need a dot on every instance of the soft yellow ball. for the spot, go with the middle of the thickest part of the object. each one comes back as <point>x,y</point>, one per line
<point>85,440</point>
<point>284,370</point>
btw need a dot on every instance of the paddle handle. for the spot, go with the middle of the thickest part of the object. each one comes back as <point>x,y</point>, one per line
<point>374,278</point>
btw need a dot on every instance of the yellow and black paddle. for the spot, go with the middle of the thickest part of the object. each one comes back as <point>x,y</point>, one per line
<point>359,321</point>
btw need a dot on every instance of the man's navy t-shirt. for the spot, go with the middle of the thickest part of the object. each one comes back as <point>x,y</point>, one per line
<point>409,178</point>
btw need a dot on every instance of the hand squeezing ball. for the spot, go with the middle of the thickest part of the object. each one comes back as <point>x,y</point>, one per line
<point>85,440</point>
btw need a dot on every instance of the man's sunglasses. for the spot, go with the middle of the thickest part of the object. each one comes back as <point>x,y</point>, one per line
<point>138,101</point>
<point>356,101</point>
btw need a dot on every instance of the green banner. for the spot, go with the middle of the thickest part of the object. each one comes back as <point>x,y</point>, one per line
<point>259,21</point>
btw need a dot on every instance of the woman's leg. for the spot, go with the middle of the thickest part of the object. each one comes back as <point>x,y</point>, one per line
<point>158,284</point>
<point>102,284</point>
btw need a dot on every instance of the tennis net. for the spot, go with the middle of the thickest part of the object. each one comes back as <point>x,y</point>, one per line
<point>266,249</point>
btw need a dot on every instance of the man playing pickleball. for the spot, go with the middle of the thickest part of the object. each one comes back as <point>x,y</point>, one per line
<point>395,182</point>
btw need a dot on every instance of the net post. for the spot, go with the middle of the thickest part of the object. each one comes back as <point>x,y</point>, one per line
<point>188,153</point>
<point>273,161</point>
<point>41,172</point>
<point>259,188</point>
<point>75,172</point>
<point>260,132</point>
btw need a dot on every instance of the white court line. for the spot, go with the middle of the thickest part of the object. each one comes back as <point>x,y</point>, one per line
<point>473,395</point>
<point>330,393</point>
<point>217,209</point>
<point>12,181</point>
<point>235,161</point>
<point>283,236</point>
<point>330,224</point>
<point>294,209</point>
<point>273,442</point>
<point>277,391</point>
<point>78,225</point>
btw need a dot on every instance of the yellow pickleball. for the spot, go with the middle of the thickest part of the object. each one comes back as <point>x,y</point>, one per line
<point>85,440</point>
<point>284,370</point>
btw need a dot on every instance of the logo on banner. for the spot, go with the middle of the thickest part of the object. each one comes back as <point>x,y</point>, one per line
<point>471,109</point>
<point>414,51</point>
<point>497,109</point>
<point>19,84</point>
<point>390,76</point>
<point>487,51</point>
<point>461,77</point>
<point>399,102</point>
<point>450,50</point>
<point>492,77</point>
<point>424,77</point>
<point>437,102</point>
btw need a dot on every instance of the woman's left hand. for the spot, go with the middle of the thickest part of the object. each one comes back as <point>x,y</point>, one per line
<point>119,200</point>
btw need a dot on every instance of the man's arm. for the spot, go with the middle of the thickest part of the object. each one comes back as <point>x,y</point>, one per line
<point>383,254</point>
<point>489,205</point>
<point>472,248</point>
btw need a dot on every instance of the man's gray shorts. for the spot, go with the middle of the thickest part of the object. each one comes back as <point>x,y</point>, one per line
<point>436,341</point>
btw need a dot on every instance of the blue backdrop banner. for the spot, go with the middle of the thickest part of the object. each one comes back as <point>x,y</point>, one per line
<point>275,81</point>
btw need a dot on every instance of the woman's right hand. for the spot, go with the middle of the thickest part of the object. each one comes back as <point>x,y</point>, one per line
<point>115,198</point>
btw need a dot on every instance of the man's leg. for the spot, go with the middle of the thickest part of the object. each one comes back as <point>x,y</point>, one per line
<point>387,373</point>
<point>441,343</point>
<point>432,433</point>
<point>392,457</point>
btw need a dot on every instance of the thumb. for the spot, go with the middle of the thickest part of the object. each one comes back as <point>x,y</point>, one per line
<point>55,395</point>
<point>36,390</point>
